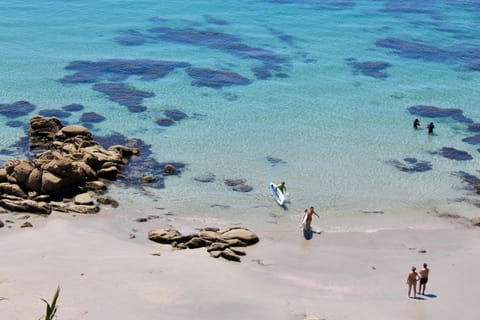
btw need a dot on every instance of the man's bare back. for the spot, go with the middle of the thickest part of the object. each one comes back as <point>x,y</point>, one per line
<point>424,272</point>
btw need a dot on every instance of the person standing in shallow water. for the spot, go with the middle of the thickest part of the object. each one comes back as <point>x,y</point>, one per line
<point>412,282</point>
<point>308,217</point>
<point>423,279</point>
<point>430,127</point>
<point>282,187</point>
<point>416,123</point>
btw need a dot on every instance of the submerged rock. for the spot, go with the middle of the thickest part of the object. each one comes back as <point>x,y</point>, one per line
<point>436,112</point>
<point>73,107</point>
<point>14,124</point>
<point>274,160</point>
<point>120,69</point>
<point>469,179</point>
<point>123,94</point>
<point>374,69</point>
<point>411,165</point>
<point>165,122</point>
<point>242,188</point>
<point>474,127</point>
<point>238,185</point>
<point>234,182</point>
<point>454,154</point>
<point>175,114</point>
<point>203,77</point>
<point>206,177</point>
<point>54,113</point>
<point>169,169</point>
<point>472,139</point>
<point>16,109</point>
<point>92,117</point>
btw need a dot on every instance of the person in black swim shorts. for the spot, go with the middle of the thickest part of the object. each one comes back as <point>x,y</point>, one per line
<point>423,279</point>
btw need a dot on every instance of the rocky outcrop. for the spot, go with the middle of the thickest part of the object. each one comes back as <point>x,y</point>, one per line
<point>223,244</point>
<point>67,169</point>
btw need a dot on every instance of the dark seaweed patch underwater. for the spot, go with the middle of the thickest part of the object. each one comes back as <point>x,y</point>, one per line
<point>124,95</point>
<point>224,42</point>
<point>120,70</point>
<point>16,109</point>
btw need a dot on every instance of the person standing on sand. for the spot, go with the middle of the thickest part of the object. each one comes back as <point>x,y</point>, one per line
<point>308,217</point>
<point>412,282</point>
<point>423,279</point>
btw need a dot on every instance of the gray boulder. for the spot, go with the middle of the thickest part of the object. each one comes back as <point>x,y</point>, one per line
<point>51,184</point>
<point>72,207</point>
<point>197,242</point>
<point>242,234</point>
<point>3,175</point>
<point>218,246</point>
<point>83,199</point>
<point>7,188</point>
<point>165,236</point>
<point>34,181</point>
<point>210,235</point>
<point>26,206</point>
<point>230,255</point>
<point>22,171</point>
<point>73,131</point>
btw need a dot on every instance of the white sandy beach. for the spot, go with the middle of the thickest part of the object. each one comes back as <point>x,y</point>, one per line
<point>103,274</point>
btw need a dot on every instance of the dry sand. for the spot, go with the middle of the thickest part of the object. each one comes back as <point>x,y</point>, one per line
<point>103,274</point>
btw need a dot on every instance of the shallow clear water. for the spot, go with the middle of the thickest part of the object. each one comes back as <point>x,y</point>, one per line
<point>334,127</point>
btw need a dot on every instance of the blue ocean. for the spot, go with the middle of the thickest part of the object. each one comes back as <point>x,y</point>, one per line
<point>320,94</point>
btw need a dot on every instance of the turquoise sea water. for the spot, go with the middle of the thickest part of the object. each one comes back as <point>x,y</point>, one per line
<point>324,86</point>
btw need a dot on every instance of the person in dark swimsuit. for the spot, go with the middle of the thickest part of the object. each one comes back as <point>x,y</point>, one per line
<point>430,127</point>
<point>416,123</point>
<point>423,279</point>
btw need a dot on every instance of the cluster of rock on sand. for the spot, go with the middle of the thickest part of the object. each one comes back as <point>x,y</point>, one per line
<point>227,244</point>
<point>67,168</point>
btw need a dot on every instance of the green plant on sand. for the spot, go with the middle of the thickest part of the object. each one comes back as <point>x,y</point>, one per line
<point>51,308</point>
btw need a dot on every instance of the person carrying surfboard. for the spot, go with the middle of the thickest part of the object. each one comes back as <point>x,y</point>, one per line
<point>282,187</point>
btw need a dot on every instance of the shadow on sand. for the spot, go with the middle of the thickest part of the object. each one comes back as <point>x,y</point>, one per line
<point>309,232</point>
<point>418,298</point>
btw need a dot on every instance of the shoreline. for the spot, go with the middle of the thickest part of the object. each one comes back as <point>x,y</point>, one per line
<point>336,275</point>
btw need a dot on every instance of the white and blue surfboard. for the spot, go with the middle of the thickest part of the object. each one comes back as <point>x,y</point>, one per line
<point>277,194</point>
